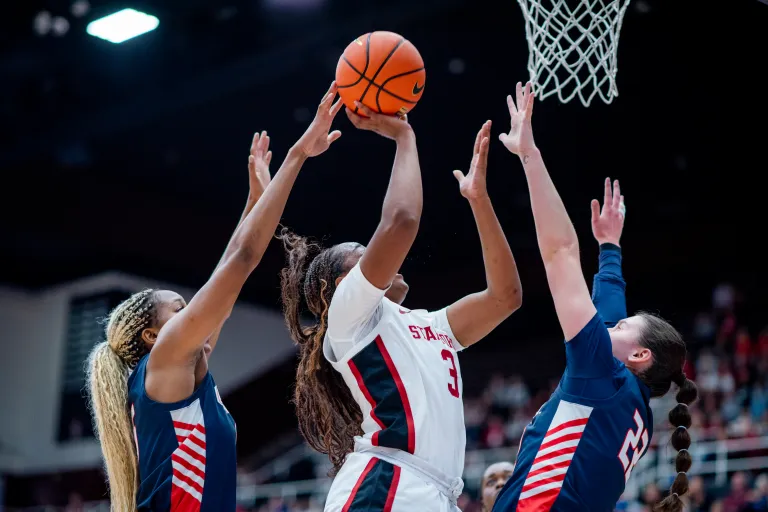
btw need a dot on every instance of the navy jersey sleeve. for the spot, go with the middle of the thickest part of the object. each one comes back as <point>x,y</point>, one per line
<point>608,289</point>
<point>589,354</point>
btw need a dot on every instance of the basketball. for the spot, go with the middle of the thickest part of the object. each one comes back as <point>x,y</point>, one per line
<point>382,70</point>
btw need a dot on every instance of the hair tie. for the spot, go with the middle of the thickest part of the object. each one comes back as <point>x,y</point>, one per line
<point>682,427</point>
<point>681,403</point>
<point>676,495</point>
<point>682,473</point>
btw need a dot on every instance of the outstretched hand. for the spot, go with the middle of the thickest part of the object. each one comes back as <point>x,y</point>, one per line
<point>258,166</point>
<point>316,140</point>
<point>390,127</point>
<point>519,140</point>
<point>473,185</point>
<point>608,224</point>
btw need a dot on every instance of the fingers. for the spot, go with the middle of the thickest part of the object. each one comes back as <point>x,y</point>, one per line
<point>333,136</point>
<point>595,204</point>
<point>355,119</point>
<point>254,142</point>
<point>607,195</point>
<point>483,153</point>
<point>519,92</point>
<point>268,158</point>
<point>616,195</point>
<point>511,106</point>
<point>331,92</point>
<point>263,145</point>
<point>365,110</point>
<point>458,175</point>
<point>622,207</point>
<point>529,103</point>
<point>478,139</point>
<point>336,107</point>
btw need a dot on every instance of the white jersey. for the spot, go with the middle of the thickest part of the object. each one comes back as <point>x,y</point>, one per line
<point>402,369</point>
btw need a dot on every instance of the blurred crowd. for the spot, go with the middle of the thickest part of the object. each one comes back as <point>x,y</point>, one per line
<point>728,359</point>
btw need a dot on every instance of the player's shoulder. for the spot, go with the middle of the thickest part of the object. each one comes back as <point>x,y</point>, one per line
<point>136,377</point>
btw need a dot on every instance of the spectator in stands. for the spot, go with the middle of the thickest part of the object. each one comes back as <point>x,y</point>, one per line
<point>474,419</point>
<point>75,503</point>
<point>698,500</point>
<point>737,499</point>
<point>494,478</point>
<point>493,437</point>
<point>759,498</point>
<point>516,392</point>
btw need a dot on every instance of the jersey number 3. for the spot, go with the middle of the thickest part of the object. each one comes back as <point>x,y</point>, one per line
<point>453,387</point>
<point>632,444</point>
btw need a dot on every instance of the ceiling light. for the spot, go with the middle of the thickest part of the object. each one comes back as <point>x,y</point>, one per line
<point>122,25</point>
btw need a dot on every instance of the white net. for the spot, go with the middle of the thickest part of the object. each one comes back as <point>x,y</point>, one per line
<point>573,48</point>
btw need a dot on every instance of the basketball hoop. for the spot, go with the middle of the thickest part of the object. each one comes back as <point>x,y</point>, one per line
<point>573,51</point>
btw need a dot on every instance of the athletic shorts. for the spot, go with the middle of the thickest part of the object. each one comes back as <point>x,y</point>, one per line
<point>368,484</point>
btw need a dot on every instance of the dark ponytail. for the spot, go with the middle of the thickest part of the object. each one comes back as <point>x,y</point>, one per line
<point>680,418</point>
<point>329,418</point>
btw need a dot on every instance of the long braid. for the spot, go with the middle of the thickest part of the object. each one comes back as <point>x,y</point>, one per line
<point>680,418</point>
<point>107,373</point>
<point>329,418</point>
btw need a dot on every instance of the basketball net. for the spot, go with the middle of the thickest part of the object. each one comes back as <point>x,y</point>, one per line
<point>573,51</point>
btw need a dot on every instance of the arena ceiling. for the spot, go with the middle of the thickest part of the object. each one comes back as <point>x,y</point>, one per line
<point>133,156</point>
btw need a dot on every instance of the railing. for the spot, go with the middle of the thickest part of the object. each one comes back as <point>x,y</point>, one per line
<point>714,459</point>
<point>710,458</point>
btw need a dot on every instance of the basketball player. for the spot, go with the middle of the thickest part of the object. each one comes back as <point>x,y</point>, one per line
<point>176,449</point>
<point>378,387</point>
<point>580,448</point>
<point>494,478</point>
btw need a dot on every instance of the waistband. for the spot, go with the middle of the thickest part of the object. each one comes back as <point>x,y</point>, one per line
<point>450,487</point>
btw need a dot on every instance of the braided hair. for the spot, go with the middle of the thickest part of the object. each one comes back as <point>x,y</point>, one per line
<point>669,352</point>
<point>107,372</point>
<point>329,418</point>
<point>680,418</point>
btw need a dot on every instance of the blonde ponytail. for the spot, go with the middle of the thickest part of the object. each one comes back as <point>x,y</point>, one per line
<point>107,382</point>
<point>107,373</point>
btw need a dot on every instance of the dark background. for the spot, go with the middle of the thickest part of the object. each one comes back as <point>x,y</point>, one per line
<point>133,156</point>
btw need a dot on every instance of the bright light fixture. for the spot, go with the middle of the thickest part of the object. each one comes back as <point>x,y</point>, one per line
<point>122,25</point>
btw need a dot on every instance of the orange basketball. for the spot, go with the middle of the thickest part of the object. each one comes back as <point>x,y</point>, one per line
<point>383,71</point>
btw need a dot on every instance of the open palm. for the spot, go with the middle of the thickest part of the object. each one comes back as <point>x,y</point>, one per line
<point>608,224</point>
<point>473,185</point>
<point>316,140</point>
<point>519,140</point>
<point>258,165</point>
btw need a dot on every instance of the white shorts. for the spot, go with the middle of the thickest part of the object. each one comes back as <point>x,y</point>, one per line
<point>366,483</point>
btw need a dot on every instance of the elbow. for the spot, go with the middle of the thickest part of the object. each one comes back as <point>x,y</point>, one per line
<point>511,299</point>
<point>246,256</point>
<point>403,220</point>
<point>567,247</point>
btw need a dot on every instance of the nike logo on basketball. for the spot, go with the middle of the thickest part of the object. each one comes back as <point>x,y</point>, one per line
<point>417,89</point>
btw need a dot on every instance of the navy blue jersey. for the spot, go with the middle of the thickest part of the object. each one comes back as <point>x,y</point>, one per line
<point>186,449</point>
<point>578,451</point>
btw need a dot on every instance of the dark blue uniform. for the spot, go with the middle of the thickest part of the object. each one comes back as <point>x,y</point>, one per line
<point>187,460</point>
<point>579,450</point>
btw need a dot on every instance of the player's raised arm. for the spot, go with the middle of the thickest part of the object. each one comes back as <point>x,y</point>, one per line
<point>607,225</point>
<point>401,212</point>
<point>475,316</point>
<point>558,243</point>
<point>258,179</point>
<point>185,334</point>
